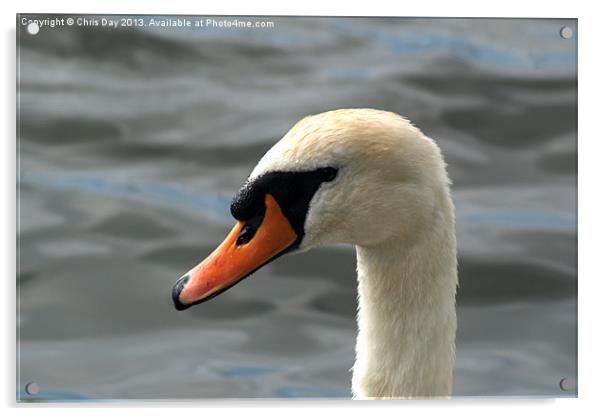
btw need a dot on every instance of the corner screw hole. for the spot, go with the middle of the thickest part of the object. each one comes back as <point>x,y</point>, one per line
<point>33,28</point>
<point>32,389</point>
<point>566,384</point>
<point>566,32</point>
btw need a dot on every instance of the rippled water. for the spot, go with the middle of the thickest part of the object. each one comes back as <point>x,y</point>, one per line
<point>132,142</point>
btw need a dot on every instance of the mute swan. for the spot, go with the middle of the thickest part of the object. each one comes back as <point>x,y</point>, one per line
<point>368,178</point>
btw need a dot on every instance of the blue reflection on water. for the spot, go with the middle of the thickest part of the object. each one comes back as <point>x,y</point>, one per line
<point>238,372</point>
<point>415,42</point>
<point>309,392</point>
<point>52,396</point>
<point>151,191</point>
<point>219,206</point>
<point>421,42</point>
<point>349,73</point>
<point>521,218</point>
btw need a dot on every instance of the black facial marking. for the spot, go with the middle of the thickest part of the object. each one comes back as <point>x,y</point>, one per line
<point>292,190</point>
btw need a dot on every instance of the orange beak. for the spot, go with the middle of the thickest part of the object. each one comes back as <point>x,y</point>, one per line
<point>230,263</point>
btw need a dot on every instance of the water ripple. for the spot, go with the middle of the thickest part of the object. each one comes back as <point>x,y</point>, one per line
<point>154,192</point>
<point>421,42</point>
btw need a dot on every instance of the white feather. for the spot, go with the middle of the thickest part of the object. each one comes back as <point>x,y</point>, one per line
<point>391,200</point>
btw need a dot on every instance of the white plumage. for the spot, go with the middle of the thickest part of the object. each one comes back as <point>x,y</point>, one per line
<point>391,200</point>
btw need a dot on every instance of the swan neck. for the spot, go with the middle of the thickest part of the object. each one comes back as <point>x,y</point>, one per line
<point>406,318</point>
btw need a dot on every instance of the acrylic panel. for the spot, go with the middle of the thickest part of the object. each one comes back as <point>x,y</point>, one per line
<point>135,133</point>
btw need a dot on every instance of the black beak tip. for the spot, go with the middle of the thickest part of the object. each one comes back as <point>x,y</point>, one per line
<point>175,293</point>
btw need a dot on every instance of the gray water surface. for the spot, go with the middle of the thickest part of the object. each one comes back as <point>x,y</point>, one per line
<point>133,140</point>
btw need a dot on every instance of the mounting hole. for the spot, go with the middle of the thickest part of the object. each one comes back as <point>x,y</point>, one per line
<point>33,28</point>
<point>567,384</point>
<point>566,32</point>
<point>32,389</point>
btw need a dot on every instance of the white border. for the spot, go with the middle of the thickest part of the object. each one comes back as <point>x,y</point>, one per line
<point>590,208</point>
<point>458,8</point>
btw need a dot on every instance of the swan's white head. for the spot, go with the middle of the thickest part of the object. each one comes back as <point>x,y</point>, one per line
<point>357,176</point>
<point>388,175</point>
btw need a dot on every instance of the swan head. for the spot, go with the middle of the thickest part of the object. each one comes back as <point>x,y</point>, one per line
<point>356,176</point>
